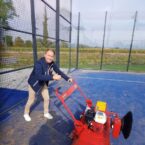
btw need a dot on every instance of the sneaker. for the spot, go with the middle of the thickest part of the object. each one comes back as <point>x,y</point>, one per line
<point>48,116</point>
<point>27,117</point>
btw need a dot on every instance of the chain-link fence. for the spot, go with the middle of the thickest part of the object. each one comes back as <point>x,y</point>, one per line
<point>27,28</point>
<point>100,41</point>
<point>104,40</point>
<point>15,35</point>
<point>112,41</point>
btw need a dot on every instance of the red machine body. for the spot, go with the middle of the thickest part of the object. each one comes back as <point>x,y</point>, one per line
<point>97,135</point>
<point>86,130</point>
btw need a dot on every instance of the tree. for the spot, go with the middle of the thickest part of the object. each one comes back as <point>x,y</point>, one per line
<point>19,42</point>
<point>45,30</point>
<point>28,43</point>
<point>64,45</point>
<point>51,44</point>
<point>9,40</point>
<point>39,42</point>
<point>7,11</point>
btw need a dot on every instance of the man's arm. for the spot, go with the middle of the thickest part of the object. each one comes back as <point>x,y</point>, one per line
<point>59,72</point>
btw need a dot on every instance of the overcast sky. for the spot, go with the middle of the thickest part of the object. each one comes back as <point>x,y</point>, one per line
<point>109,5</point>
<point>120,19</point>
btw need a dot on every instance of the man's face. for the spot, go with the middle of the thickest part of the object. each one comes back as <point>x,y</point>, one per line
<point>49,56</point>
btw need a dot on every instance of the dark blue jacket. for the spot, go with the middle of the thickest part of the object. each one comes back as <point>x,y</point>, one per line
<point>42,74</point>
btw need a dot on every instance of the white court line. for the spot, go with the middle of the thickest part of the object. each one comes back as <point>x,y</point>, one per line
<point>117,80</point>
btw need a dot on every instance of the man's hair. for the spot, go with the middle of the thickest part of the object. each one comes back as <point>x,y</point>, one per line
<point>48,49</point>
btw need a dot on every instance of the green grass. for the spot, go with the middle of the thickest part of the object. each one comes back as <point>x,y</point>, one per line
<point>137,68</point>
<point>89,58</point>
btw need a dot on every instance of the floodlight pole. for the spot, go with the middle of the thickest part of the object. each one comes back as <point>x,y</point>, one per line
<point>130,50</point>
<point>33,23</point>
<point>102,53</point>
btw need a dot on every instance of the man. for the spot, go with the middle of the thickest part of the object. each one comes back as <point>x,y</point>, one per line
<point>42,73</point>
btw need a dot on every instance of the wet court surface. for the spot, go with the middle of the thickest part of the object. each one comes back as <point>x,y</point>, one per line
<point>123,92</point>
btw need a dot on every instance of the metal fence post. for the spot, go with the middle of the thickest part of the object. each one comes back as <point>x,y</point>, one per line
<point>129,56</point>
<point>70,33</point>
<point>33,30</point>
<point>1,35</point>
<point>57,33</point>
<point>102,52</point>
<point>78,36</point>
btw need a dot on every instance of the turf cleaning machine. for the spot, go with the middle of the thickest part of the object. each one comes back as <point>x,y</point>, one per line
<point>96,123</point>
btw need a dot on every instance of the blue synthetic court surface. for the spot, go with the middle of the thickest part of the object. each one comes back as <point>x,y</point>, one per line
<point>10,98</point>
<point>123,92</point>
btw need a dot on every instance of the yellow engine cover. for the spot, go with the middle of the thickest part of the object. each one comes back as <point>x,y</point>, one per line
<point>101,106</point>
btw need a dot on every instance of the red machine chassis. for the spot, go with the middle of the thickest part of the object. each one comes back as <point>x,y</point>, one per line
<point>90,133</point>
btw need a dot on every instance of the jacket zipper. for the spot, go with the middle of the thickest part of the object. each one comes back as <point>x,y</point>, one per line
<point>39,90</point>
<point>45,74</point>
<point>50,67</point>
<point>35,83</point>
